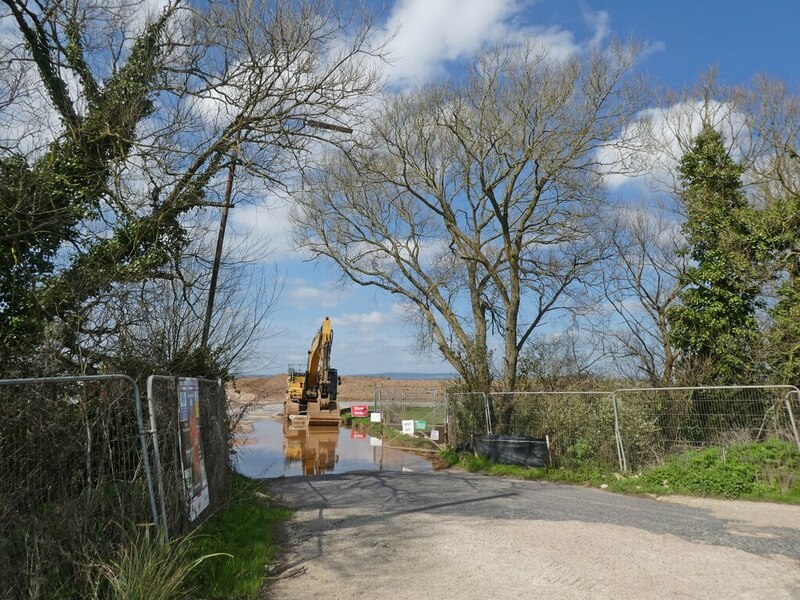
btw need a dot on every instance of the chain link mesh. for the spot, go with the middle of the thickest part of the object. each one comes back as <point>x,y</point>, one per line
<point>657,423</point>
<point>579,425</point>
<point>215,440</point>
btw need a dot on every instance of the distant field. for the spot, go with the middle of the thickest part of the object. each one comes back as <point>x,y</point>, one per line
<point>355,388</point>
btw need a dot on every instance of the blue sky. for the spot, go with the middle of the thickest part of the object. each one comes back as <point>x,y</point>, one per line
<point>683,39</point>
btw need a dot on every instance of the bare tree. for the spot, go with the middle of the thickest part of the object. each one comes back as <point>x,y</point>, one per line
<point>641,284</point>
<point>477,203</point>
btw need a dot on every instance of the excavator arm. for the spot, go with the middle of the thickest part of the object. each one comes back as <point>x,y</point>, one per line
<point>319,362</point>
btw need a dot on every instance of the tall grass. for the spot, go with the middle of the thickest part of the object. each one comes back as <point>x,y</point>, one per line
<point>246,531</point>
<point>147,568</point>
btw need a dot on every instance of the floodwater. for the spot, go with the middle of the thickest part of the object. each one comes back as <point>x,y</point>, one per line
<point>276,449</point>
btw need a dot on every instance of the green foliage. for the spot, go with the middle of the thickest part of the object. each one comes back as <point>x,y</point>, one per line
<point>47,204</point>
<point>781,221</point>
<point>784,335</point>
<point>246,532</point>
<point>768,470</point>
<point>715,324</point>
<point>449,457</point>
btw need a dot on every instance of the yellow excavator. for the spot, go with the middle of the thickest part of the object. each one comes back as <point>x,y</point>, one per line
<point>311,391</point>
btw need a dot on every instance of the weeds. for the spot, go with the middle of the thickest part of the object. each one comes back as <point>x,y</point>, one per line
<point>768,470</point>
<point>147,568</point>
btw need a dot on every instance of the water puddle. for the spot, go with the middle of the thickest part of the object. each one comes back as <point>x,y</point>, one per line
<point>275,449</point>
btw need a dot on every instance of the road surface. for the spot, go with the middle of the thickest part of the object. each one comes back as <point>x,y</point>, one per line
<point>451,534</point>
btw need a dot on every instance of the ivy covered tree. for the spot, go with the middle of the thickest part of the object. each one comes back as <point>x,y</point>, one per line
<point>116,130</point>
<point>715,324</point>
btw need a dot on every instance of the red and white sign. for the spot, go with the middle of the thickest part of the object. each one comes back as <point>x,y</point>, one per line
<point>359,410</point>
<point>358,435</point>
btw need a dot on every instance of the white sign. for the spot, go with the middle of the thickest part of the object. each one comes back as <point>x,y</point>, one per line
<point>435,435</point>
<point>408,426</point>
<point>375,417</point>
<point>375,441</point>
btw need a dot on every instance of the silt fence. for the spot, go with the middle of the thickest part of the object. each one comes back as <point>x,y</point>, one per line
<point>579,426</point>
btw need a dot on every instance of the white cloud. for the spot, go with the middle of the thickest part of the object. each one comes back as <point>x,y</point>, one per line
<point>316,295</point>
<point>600,22</point>
<point>312,295</point>
<point>263,228</point>
<point>430,32</point>
<point>368,319</point>
<point>649,149</point>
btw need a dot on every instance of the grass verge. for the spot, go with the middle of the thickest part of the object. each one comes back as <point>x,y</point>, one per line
<point>246,530</point>
<point>768,470</point>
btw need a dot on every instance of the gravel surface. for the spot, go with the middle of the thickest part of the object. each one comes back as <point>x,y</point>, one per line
<point>451,534</point>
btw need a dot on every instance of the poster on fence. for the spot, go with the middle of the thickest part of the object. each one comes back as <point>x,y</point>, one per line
<point>194,469</point>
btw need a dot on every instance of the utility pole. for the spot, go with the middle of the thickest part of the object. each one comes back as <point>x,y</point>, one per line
<point>223,223</point>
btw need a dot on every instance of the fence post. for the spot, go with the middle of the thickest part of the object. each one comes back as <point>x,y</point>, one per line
<point>488,413</point>
<point>151,406</point>
<point>137,396</point>
<point>791,416</point>
<point>618,435</point>
<point>446,418</point>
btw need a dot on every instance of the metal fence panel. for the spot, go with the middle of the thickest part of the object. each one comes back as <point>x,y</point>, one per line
<point>215,438</point>
<point>427,409</point>
<point>659,422</point>
<point>578,425</point>
<point>466,416</point>
<point>73,465</point>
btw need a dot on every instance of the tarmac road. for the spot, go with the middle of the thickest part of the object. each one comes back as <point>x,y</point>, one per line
<point>451,534</point>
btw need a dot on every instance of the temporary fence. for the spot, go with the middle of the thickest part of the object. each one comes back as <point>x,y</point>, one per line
<point>83,458</point>
<point>578,425</point>
<point>659,422</point>
<point>467,415</point>
<point>413,414</point>
<point>162,398</point>
<point>73,462</point>
<point>631,427</point>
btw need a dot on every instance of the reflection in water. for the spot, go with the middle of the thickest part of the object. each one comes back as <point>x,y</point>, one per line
<point>275,449</point>
<point>312,446</point>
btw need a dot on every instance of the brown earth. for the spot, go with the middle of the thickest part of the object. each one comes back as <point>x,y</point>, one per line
<point>272,390</point>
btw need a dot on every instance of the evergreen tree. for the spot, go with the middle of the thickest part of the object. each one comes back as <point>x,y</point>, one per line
<point>715,324</point>
<point>782,223</point>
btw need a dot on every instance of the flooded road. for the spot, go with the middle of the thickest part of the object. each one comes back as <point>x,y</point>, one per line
<point>276,449</point>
